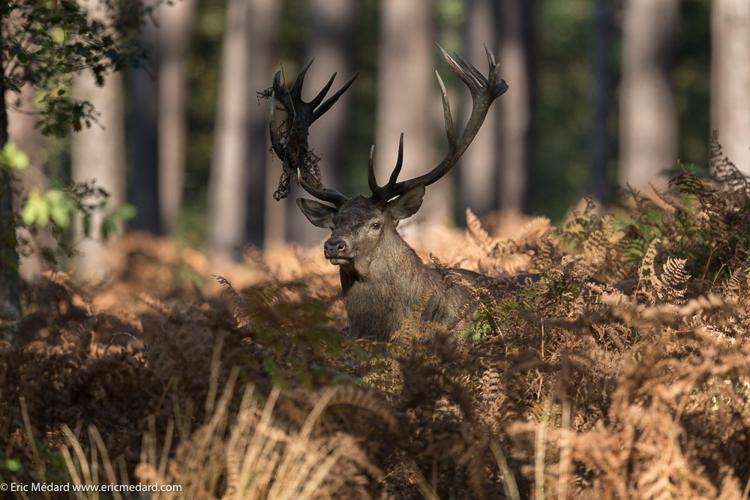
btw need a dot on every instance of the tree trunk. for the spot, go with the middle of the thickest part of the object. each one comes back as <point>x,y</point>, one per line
<point>175,23</point>
<point>97,153</point>
<point>10,303</point>
<point>479,164</point>
<point>25,134</point>
<point>142,122</point>
<point>263,21</point>
<point>513,107</point>
<point>649,126</point>
<point>408,101</point>
<point>227,189</point>
<point>730,79</point>
<point>329,43</point>
<point>601,137</point>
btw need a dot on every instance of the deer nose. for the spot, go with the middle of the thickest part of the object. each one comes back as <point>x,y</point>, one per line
<point>334,247</point>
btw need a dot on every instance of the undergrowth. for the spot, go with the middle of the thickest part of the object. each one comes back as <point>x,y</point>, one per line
<point>618,368</point>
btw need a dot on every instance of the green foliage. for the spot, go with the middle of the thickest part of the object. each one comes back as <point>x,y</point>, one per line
<point>58,206</point>
<point>53,204</point>
<point>44,43</point>
<point>114,220</point>
<point>12,465</point>
<point>13,158</point>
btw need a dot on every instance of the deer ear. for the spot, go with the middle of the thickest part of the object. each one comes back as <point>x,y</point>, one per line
<point>407,204</point>
<point>319,214</point>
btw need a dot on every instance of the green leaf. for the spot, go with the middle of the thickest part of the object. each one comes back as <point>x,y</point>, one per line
<point>57,34</point>
<point>13,158</point>
<point>36,210</point>
<point>12,465</point>
<point>109,227</point>
<point>61,207</point>
<point>112,221</point>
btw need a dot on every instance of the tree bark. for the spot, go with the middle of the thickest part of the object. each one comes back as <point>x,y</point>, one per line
<point>329,42</point>
<point>227,189</point>
<point>649,126</point>
<point>601,103</point>
<point>263,22</point>
<point>175,23</point>
<point>408,101</point>
<point>24,133</point>
<point>730,79</point>
<point>10,303</point>
<point>479,165</point>
<point>142,123</point>
<point>513,107</point>
<point>97,153</point>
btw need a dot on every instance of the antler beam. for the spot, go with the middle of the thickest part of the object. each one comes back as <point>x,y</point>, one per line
<point>484,90</point>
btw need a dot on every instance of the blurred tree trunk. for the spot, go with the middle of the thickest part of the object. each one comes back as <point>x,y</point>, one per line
<point>263,27</point>
<point>10,303</point>
<point>24,133</point>
<point>329,44</point>
<point>97,153</point>
<point>227,189</point>
<point>648,127</point>
<point>730,79</point>
<point>479,164</point>
<point>601,68</point>
<point>408,101</point>
<point>142,123</point>
<point>175,23</point>
<point>513,107</point>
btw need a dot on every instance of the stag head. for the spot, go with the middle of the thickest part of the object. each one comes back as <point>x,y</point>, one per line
<point>360,224</point>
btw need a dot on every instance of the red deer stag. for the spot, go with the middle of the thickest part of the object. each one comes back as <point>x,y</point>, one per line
<point>382,278</point>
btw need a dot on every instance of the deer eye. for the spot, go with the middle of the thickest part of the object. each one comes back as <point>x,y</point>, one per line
<point>376,226</point>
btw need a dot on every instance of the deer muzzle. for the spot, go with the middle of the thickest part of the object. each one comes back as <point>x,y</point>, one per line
<point>336,250</point>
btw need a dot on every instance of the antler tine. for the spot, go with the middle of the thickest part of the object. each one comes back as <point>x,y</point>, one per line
<point>491,63</point>
<point>332,100</point>
<point>399,162</point>
<point>381,193</point>
<point>450,129</point>
<point>296,89</point>
<point>371,180</point>
<point>322,94</point>
<point>293,149</point>
<point>484,90</point>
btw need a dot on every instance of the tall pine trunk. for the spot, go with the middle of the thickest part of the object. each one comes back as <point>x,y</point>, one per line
<point>513,107</point>
<point>263,19</point>
<point>227,189</point>
<point>648,126</point>
<point>601,101</point>
<point>10,303</point>
<point>24,133</point>
<point>97,153</point>
<point>730,79</point>
<point>479,164</point>
<point>408,101</point>
<point>143,135</point>
<point>175,23</point>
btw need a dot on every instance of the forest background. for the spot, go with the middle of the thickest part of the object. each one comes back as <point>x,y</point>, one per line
<point>604,94</point>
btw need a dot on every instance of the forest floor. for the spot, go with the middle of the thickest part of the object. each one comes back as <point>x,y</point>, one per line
<point>623,372</point>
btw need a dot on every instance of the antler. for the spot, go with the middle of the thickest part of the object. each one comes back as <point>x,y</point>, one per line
<point>291,145</point>
<point>484,90</point>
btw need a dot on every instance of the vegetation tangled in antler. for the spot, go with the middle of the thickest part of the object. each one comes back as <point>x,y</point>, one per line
<point>621,372</point>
